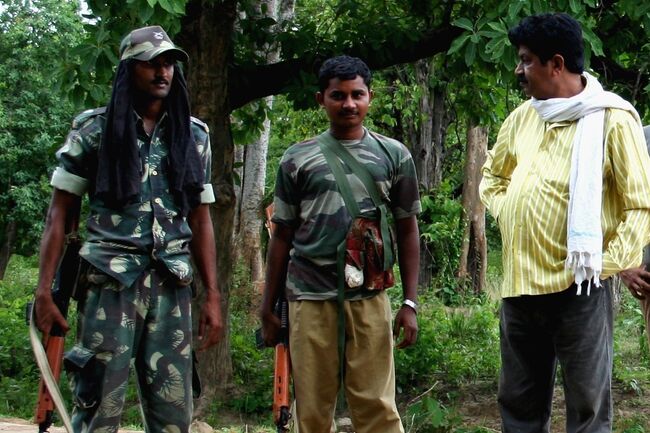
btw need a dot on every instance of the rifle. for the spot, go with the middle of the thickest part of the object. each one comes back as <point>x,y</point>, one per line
<point>282,362</point>
<point>281,376</point>
<point>49,352</point>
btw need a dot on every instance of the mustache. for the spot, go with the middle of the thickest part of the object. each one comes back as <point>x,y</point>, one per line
<point>160,81</point>
<point>346,112</point>
<point>521,79</point>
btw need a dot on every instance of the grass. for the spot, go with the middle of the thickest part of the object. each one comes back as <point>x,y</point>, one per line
<point>446,383</point>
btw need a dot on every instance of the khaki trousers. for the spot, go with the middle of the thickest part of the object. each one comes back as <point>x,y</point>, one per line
<point>369,368</point>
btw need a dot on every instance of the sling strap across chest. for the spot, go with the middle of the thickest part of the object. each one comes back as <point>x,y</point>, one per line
<point>334,152</point>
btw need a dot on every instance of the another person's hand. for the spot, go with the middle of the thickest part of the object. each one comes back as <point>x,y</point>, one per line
<point>270,328</point>
<point>210,322</point>
<point>48,314</point>
<point>637,281</point>
<point>406,319</point>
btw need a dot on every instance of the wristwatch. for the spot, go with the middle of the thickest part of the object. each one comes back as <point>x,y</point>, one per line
<point>412,304</point>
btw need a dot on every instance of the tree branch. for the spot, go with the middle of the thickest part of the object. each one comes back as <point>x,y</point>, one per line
<point>247,84</point>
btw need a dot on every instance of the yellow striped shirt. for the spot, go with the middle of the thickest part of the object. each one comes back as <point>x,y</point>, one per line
<point>526,187</point>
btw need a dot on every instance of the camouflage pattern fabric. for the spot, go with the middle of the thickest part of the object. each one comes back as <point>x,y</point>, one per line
<point>123,243</point>
<point>307,199</point>
<point>148,42</point>
<point>149,322</point>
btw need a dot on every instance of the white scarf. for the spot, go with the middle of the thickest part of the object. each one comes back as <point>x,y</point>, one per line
<point>584,231</point>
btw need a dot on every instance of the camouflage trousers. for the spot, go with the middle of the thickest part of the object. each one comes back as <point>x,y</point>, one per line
<point>147,325</point>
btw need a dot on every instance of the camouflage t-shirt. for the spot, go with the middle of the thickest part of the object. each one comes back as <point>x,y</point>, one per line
<point>123,243</point>
<point>308,200</point>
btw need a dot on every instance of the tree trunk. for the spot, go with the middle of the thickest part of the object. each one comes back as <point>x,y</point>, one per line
<point>7,246</point>
<point>441,121</point>
<point>252,194</point>
<point>421,130</point>
<point>427,135</point>
<point>250,220</point>
<point>473,259</point>
<point>206,32</point>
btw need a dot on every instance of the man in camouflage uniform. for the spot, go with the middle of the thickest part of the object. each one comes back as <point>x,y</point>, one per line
<point>145,164</point>
<point>311,219</point>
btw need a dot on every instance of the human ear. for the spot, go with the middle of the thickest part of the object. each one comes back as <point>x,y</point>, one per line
<point>557,61</point>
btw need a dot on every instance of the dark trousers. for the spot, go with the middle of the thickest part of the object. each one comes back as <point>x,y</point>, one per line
<point>537,332</point>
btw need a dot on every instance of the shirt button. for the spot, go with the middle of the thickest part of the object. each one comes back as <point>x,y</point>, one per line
<point>158,200</point>
<point>154,172</point>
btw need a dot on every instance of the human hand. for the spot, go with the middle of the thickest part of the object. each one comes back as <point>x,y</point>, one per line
<point>210,323</point>
<point>637,281</point>
<point>270,328</point>
<point>48,314</point>
<point>406,319</point>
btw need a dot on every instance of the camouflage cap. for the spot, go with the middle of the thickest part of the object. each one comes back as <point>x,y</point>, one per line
<point>148,42</point>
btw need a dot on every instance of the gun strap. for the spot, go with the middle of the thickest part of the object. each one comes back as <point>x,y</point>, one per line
<point>333,150</point>
<point>46,372</point>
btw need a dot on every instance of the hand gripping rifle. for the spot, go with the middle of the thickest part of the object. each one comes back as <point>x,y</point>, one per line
<point>281,376</point>
<point>49,352</point>
<point>282,363</point>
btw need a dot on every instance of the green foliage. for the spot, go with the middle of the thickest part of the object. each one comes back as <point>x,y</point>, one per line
<point>427,415</point>
<point>18,372</point>
<point>455,345</point>
<point>441,228</point>
<point>33,118</point>
<point>252,366</point>
<point>631,357</point>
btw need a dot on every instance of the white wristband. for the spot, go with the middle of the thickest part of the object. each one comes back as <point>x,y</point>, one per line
<point>411,304</point>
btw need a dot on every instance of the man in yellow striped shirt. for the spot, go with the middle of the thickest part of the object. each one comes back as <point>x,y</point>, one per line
<point>568,183</point>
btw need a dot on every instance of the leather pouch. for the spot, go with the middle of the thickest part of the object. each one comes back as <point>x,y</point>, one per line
<point>364,256</point>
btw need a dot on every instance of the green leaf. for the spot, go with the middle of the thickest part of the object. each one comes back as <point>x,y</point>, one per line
<point>464,23</point>
<point>498,26</point>
<point>575,6</point>
<point>179,6</point>
<point>515,8</point>
<point>145,13</point>
<point>470,54</point>
<point>167,6</point>
<point>594,41</point>
<point>458,43</point>
<point>152,3</point>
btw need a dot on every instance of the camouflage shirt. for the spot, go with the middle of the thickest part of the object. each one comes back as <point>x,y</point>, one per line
<point>123,243</point>
<point>307,199</point>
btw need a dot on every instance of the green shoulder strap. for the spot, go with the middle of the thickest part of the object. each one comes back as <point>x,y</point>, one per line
<point>331,148</point>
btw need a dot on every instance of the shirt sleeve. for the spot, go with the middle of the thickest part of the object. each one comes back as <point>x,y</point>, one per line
<point>72,173</point>
<point>498,168</point>
<point>205,153</point>
<point>630,165</point>
<point>404,195</point>
<point>286,200</point>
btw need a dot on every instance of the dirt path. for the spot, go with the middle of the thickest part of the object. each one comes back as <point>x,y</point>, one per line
<point>15,425</point>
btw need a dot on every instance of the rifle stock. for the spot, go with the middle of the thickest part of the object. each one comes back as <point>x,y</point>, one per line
<point>282,374</point>
<point>282,363</point>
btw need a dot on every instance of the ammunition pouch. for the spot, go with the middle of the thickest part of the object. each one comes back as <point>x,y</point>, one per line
<point>364,256</point>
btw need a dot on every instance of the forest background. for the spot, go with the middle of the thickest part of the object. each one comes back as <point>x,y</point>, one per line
<point>443,83</point>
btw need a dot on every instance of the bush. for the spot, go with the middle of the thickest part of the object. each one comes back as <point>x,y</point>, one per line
<point>17,368</point>
<point>455,345</point>
<point>441,229</point>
